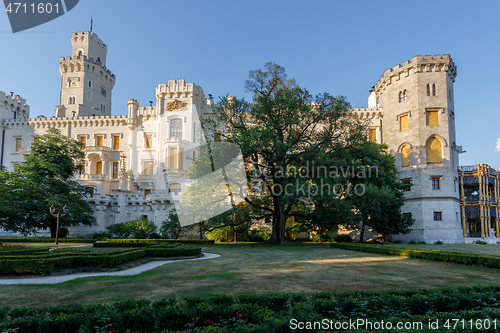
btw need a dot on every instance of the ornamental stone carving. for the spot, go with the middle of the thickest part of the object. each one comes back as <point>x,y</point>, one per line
<point>174,105</point>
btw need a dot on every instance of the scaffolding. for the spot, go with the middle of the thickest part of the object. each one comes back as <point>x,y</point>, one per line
<point>480,200</point>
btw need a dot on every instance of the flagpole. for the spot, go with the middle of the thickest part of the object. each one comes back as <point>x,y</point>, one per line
<point>91,24</point>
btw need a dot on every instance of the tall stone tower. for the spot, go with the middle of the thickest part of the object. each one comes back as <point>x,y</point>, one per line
<point>416,99</point>
<point>86,83</point>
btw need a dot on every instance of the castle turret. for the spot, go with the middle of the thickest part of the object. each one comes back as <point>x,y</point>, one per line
<point>86,83</point>
<point>419,130</point>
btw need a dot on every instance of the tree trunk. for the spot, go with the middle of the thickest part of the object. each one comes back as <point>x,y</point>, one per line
<point>279,223</point>
<point>362,232</point>
<point>53,231</point>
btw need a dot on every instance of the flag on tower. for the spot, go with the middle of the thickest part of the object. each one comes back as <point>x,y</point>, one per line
<point>91,24</point>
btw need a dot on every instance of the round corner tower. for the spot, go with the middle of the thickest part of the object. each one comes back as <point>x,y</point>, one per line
<point>86,83</point>
<point>419,129</point>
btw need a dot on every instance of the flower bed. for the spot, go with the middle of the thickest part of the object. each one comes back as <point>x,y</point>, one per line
<point>11,247</point>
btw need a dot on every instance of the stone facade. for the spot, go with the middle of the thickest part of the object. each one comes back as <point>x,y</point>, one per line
<point>136,163</point>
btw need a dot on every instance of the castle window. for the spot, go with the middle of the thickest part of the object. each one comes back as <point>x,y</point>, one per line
<point>433,90</point>
<point>403,123</point>
<point>432,118</point>
<point>438,216</point>
<point>436,183</point>
<point>116,142</point>
<point>176,129</point>
<point>90,84</point>
<point>373,134</point>
<point>18,144</point>
<point>148,141</point>
<point>115,170</point>
<point>83,139</point>
<point>428,89</point>
<point>434,151</point>
<point>98,168</point>
<point>405,156</point>
<point>408,182</point>
<point>80,53</point>
<point>100,140</point>
<point>174,188</point>
<point>147,168</point>
<point>405,96</point>
<point>400,97</point>
<point>103,91</point>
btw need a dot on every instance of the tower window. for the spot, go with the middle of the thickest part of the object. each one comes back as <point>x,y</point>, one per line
<point>406,181</point>
<point>428,89</point>
<point>433,90</point>
<point>432,118</point>
<point>405,156</point>
<point>373,135</point>
<point>435,183</point>
<point>400,97</point>
<point>403,123</point>
<point>438,216</point>
<point>176,129</point>
<point>90,84</point>
<point>405,96</point>
<point>103,91</point>
<point>18,144</point>
<point>148,140</point>
<point>434,152</point>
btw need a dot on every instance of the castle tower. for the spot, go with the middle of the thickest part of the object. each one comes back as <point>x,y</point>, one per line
<point>419,129</point>
<point>86,83</point>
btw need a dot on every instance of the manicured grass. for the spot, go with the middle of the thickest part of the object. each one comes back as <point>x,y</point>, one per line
<point>251,269</point>
<point>468,248</point>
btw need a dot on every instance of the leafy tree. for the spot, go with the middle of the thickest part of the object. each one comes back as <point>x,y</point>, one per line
<point>171,227</point>
<point>285,130</point>
<point>306,157</point>
<point>42,180</point>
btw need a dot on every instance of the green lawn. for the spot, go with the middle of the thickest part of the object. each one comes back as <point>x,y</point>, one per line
<point>257,269</point>
<point>468,248</point>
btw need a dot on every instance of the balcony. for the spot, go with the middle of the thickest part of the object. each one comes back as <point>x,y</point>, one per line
<point>85,176</point>
<point>89,149</point>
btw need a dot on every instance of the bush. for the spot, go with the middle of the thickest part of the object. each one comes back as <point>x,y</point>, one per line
<point>320,238</point>
<point>439,243</point>
<point>63,232</point>
<point>119,230</point>
<point>259,236</point>
<point>342,239</point>
<point>480,242</point>
<point>471,259</point>
<point>422,242</point>
<point>100,235</point>
<point>220,235</point>
<point>142,228</point>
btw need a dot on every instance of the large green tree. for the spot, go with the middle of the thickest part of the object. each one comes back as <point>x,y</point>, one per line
<point>307,157</point>
<point>42,180</point>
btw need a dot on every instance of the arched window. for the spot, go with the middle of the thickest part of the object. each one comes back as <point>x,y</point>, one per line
<point>90,84</point>
<point>80,53</point>
<point>405,156</point>
<point>405,96</point>
<point>434,90</point>
<point>400,96</point>
<point>98,168</point>
<point>176,129</point>
<point>434,151</point>
<point>428,89</point>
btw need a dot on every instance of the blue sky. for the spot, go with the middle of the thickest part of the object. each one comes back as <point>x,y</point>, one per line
<point>342,47</point>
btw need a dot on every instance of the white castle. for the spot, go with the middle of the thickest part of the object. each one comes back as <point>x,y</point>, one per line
<point>136,164</point>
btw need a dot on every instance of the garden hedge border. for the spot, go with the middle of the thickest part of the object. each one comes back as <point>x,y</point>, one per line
<point>44,240</point>
<point>462,258</point>
<point>264,313</point>
<point>183,241</point>
<point>46,263</point>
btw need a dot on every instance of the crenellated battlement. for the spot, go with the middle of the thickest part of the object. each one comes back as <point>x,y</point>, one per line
<point>87,34</point>
<point>418,65</point>
<point>368,112</point>
<point>178,86</point>
<point>83,60</point>
<point>12,99</point>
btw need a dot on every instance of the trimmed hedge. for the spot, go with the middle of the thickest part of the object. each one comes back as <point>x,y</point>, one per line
<point>44,240</point>
<point>470,259</point>
<point>183,241</point>
<point>45,263</point>
<point>268,313</point>
<point>109,244</point>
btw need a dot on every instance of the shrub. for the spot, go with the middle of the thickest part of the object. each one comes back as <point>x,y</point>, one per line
<point>259,236</point>
<point>422,242</point>
<point>100,235</point>
<point>439,243</point>
<point>342,239</point>
<point>63,232</point>
<point>320,238</point>
<point>119,230</point>
<point>412,242</point>
<point>480,242</point>
<point>142,228</point>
